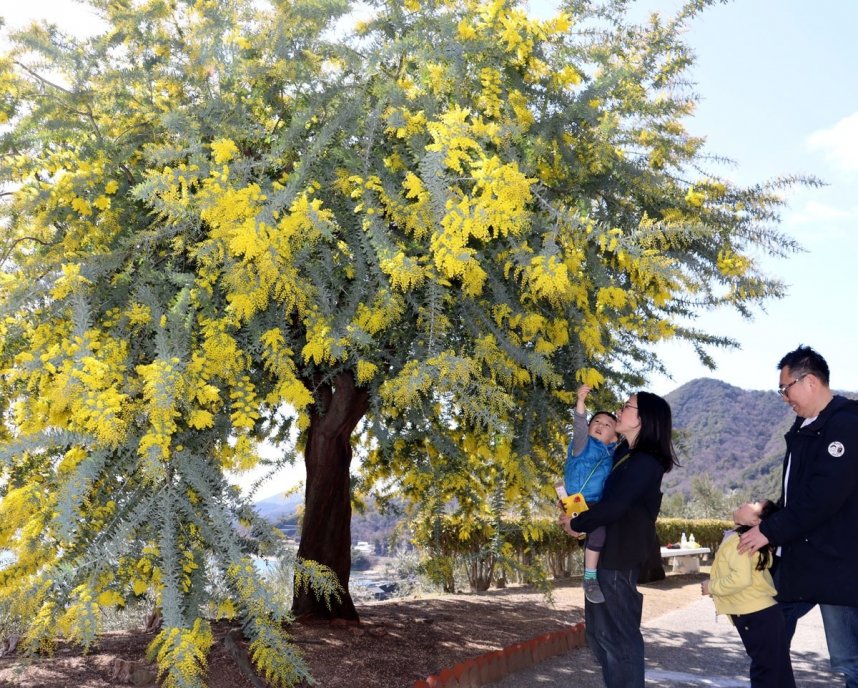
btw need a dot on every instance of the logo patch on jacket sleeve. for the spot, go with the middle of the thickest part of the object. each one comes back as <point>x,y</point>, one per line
<point>836,449</point>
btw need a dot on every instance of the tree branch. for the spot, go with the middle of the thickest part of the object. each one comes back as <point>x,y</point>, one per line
<point>242,661</point>
<point>11,248</point>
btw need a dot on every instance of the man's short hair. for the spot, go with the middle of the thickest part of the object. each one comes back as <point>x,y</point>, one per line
<point>805,361</point>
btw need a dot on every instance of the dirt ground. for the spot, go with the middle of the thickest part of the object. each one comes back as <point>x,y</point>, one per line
<point>396,643</point>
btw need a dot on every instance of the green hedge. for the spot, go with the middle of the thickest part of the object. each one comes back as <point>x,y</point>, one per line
<point>527,550</point>
<point>708,532</point>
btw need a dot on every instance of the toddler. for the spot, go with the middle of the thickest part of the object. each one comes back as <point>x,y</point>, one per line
<point>589,460</point>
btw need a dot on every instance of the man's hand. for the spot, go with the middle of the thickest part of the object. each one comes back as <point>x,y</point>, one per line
<point>748,514</point>
<point>752,541</point>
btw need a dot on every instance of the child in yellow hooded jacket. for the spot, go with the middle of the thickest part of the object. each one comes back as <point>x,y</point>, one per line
<point>741,587</point>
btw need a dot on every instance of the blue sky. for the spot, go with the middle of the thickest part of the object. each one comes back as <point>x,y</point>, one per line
<point>779,96</point>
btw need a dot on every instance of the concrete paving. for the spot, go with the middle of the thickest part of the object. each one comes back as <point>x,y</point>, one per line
<point>688,647</point>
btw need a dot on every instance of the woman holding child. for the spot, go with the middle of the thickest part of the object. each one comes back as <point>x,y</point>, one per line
<point>628,510</point>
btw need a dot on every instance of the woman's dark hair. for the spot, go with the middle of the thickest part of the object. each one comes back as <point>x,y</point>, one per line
<point>765,552</point>
<point>656,434</point>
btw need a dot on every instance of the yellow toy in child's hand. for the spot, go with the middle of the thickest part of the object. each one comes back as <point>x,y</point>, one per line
<point>574,505</point>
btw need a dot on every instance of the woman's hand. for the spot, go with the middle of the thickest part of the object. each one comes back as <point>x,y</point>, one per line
<point>704,588</point>
<point>564,522</point>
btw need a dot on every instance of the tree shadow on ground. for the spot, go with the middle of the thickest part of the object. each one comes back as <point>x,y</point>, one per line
<point>675,658</point>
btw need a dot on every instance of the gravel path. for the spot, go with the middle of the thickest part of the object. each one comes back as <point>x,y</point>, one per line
<point>687,647</point>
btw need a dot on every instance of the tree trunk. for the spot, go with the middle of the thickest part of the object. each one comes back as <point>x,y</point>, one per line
<point>326,528</point>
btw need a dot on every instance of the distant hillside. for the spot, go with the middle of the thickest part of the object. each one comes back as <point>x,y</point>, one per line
<point>733,435</point>
<point>278,507</point>
<point>371,526</point>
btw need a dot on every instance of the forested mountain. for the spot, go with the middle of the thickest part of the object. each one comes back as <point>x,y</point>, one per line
<point>367,524</point>
<point>279,507</point>
<point>733,435</point>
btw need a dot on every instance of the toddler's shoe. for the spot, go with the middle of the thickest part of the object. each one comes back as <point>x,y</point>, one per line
<point>593,592</point>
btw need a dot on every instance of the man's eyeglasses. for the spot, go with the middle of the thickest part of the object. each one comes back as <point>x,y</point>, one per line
<point>783,390</point>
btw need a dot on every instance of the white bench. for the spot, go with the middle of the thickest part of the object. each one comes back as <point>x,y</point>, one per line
<point>684,560</point>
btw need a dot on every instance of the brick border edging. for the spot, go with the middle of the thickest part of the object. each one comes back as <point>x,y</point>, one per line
<point>493,666</point>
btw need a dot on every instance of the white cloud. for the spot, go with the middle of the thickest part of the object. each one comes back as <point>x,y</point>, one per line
<point>813,211</point>
<point>816,224</point>
<point>71,17</point>
<point>839,143</point>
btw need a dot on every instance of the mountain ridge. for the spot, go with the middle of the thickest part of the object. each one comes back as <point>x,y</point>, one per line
<point>733,435</point>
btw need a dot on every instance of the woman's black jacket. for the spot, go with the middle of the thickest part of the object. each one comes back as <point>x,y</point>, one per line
<point>628,509</point>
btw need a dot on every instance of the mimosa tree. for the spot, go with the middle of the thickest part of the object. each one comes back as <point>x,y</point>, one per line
<point>419,228</point>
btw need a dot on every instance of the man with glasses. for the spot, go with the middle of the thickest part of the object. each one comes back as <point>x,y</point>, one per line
<point>816,522</point>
